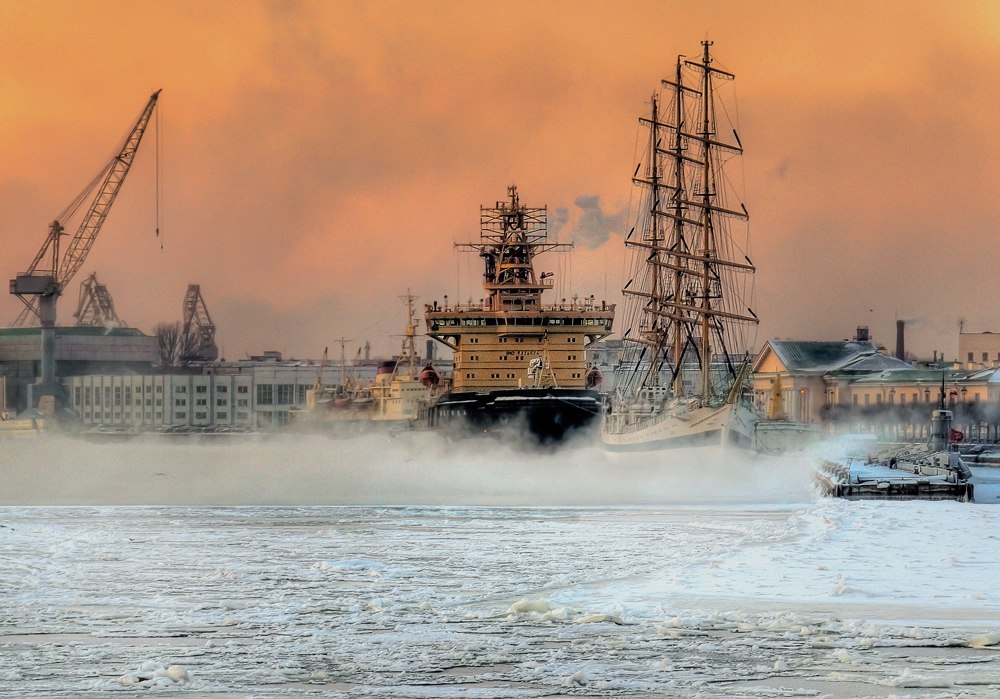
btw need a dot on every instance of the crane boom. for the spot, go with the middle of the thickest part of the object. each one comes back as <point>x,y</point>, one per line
<point>117,169</point>
<point>111,178</point>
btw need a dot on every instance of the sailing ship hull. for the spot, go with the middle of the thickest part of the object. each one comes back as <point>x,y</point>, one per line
<point>727,425</point>
<point>546,415</point>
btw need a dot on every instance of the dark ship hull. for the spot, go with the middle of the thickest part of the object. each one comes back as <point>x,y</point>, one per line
<point>543,416</point>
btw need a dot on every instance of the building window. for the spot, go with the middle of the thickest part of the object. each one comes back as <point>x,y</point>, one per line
<point>201,389</point>
<point>181,414</point>
<point>181,389</point>
<point>970,356</point>
<point>265,394</point>
<point>243,389</point>
<point>286,393</point>
<point>180,401</point>
<point>118,396</point>
<point>986,357</point>
<point>200,416</point>
<point>221,402</point>
<point>201,401</point>
<point>243,402</point>
<point>222,389</point>
<point>222,416</point>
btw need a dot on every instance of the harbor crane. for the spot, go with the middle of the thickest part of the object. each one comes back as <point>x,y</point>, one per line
<point>49,273</point>
<point>198,330</point>
<point>96,307</point>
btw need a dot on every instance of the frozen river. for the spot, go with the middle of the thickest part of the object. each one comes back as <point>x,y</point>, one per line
<point>301,568</point>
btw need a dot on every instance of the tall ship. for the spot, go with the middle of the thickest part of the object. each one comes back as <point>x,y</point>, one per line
<point>680,377</point>
<point>519,363</point>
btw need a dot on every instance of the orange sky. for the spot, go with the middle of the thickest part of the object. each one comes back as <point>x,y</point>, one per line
<point>319,158</point>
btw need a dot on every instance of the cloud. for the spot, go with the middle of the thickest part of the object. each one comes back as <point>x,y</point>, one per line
<point>588,224</point>
<point>323,156</point>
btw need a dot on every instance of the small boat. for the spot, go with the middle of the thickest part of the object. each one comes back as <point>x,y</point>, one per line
<point>394,399</point>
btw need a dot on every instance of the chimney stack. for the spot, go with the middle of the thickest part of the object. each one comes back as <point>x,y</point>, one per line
<point>900,341</point>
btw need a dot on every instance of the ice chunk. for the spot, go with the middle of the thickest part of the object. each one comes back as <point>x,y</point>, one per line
<point>525,606</point>
<point>599,618</point>
<point>577,679</point>
<point>989,639</point>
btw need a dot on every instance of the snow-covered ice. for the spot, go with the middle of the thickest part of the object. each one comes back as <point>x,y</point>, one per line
<point>753,589</point>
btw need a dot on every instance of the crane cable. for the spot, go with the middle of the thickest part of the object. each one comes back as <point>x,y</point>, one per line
<point>158,185</point>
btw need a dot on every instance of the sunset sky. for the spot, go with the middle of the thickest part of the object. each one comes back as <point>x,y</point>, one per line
<point>318,159</point>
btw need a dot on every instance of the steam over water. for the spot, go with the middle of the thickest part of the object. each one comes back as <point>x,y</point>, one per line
<point>416,566</point>
<point>408,469</point>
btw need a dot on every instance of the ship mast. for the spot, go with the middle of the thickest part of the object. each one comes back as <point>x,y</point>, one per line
<point>511,235</point>
<point>689,305</point>
<point>409,349</point>
<point>679,242</point>
<point>707,239</point>
<point>657,333</point>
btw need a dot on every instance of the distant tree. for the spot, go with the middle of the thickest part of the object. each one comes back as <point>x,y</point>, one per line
<point>176,347</point>
<point>168,344</point>
<point>188,345</point>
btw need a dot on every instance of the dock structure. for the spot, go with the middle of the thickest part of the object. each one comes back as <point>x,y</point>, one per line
<point>917,473</point>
